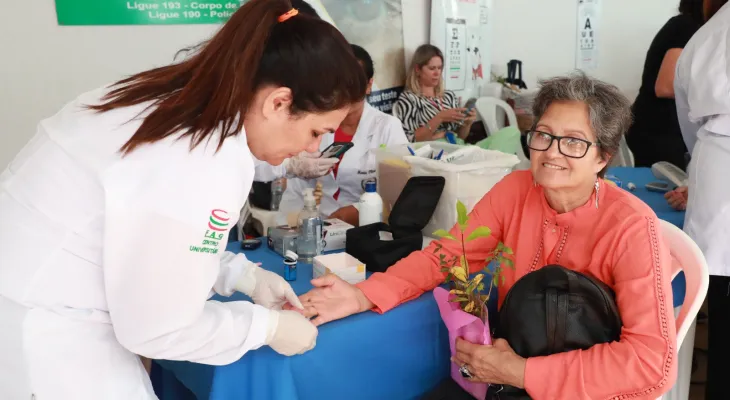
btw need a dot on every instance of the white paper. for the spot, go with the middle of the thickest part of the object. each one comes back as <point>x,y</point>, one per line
<point>587,34</point>
<point>471,19</point>
<point>455,65</point>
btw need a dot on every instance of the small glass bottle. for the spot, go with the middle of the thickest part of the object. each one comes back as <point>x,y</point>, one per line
<point>309,240</point>
<point>290,266</point>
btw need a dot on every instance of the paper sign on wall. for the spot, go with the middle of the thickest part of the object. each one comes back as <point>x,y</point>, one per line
<point>460,28</point>
<point>587,37</point>
<point>455,63</point>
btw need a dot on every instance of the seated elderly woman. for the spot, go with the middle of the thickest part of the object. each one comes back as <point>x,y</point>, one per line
<point>559,212</point>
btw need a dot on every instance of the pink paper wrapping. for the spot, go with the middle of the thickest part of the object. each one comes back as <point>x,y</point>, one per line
<point>468,327</point>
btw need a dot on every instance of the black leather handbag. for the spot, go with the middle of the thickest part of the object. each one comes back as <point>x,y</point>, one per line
<point>548,311</point>
<point>554,310</point>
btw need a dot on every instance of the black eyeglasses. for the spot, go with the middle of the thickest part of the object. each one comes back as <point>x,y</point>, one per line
<point>568,146</point>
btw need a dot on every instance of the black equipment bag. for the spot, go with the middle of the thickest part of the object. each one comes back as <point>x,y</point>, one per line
<point>411,213</point>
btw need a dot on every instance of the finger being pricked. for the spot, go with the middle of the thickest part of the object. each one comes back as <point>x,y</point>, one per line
<point>308,310</point>
<point>310,295</point>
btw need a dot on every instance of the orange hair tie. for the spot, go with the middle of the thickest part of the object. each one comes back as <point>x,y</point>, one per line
<point>288,14</point>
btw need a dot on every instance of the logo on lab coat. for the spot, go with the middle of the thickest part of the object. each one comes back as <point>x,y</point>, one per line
<point>218,222</point>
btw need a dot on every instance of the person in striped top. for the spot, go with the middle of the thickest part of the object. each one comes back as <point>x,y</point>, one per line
<point>425,109</point>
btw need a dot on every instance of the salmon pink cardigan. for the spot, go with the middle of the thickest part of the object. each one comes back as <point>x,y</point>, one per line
<point>617,241</point>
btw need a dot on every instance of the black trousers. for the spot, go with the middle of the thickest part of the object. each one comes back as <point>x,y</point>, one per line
<point>450,390</point>
<point>718,332</point>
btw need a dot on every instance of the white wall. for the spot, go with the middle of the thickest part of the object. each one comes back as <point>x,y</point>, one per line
<point>542,35</point>
<point>43,65</point>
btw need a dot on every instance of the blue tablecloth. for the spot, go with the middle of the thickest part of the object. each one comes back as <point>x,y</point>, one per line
<point>399,355</point>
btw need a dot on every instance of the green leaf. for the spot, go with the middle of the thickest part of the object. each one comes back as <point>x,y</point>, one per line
<point>508,250</point>
<point>503,279</point>
<point>480,287</point>
<point>465,264</point>
<point>463,218</point>
<point>508,262</point>
<point>480,232</point>
<point>460,299</point>
<point>443,234</point>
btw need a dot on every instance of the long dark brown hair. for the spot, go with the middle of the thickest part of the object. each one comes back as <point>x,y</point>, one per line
<point>712,7</point>
<point>212,89</point>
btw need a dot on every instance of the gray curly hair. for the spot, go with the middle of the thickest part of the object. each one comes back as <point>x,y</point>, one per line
<point>609,110</point>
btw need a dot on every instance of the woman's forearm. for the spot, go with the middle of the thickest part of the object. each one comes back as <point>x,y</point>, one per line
<point>427,131</point>
<point>422,134</point>
<point>464,130</point>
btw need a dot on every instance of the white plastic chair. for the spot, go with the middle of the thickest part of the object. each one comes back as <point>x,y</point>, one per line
<point>687,257</point>
<point>487,110</point>
<point>263,219</point>
<point>624,158</point>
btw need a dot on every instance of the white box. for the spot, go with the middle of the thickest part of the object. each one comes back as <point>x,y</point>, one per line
<point>345,266</point>
<point>468,179</point>
<point>334,234</point>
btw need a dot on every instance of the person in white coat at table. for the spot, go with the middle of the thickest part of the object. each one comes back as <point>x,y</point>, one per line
<point>368,129</point>
<point>701,87</point>
<point>115,215</point>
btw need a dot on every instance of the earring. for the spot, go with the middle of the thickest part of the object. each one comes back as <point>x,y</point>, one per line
<point>597,186</point>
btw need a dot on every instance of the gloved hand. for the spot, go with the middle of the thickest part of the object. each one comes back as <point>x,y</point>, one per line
<point>309,165</point>
<point>290,333</point>
<point>266,288</point>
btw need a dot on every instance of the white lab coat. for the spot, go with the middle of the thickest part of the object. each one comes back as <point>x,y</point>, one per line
<point>702,87</point>
<point>104,257</point>
<point>357,166</point>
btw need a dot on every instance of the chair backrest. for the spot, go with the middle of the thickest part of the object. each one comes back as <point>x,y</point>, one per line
<point>487,109</point>
<point>689,258</point>
<point>624,157</point>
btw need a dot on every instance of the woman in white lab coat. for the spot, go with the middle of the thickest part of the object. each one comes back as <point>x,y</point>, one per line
<point>368,129</point>
<point>115,216</point>
<point>701,87</point>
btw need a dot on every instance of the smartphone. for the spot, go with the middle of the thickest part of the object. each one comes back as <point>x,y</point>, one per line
<point>470,104</point>
<point>336,150</point>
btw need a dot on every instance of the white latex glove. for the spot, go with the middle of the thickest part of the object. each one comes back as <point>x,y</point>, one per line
<point>290,333</point>
<point>309,165</point>
<point>266,288</point>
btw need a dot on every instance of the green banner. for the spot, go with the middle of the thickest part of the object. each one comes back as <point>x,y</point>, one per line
<point>149,12</point>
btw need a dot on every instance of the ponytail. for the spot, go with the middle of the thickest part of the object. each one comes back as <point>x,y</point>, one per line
<point>213,88</point>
